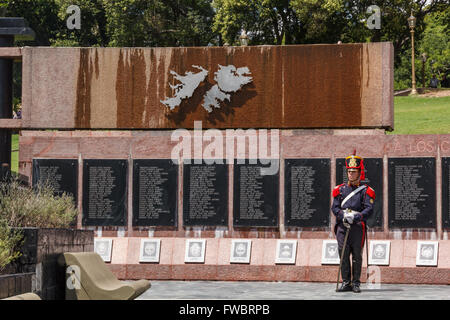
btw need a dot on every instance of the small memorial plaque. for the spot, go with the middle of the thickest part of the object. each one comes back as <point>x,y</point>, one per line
<point>240,251</point>
<point>155,184</point>
<point>60,174</point>
<point>307,192</point>
<point>330,252</point>
<point>205,194</point>
<point>150,250</point>
<point>256,196</point>
<point>446,193</point>
<point>103,247</point>
<point>195,250</point>
<point>104,192</point>
<point>286,251</point>
<point>412,192</point>
<point>379,252</point>
<point>427,253</point>
<point>373,169</point>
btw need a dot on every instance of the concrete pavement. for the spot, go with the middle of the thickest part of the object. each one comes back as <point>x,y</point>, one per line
<point>242,290</point>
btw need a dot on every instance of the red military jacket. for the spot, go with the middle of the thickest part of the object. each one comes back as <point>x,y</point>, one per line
<point>361,202</point>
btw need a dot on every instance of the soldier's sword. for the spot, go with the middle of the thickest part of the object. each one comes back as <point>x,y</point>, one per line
<point>342,254</point>
<point>367,255</point>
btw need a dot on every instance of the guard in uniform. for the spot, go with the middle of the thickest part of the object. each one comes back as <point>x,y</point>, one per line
<point>352,205</point>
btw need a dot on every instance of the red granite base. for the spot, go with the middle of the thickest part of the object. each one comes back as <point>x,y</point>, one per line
<point>417,275</point>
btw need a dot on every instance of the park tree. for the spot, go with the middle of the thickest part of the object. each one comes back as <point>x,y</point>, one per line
<point>159,23</point>
<point>265,21</point>
<point>435,43</point>
<point>324,21</point>
<point>117,23</point>
<point>92,31</point>
<point>163,23</point>
<point>41,15</point>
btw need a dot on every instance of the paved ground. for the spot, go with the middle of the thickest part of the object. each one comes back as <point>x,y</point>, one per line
<point>239,290</point>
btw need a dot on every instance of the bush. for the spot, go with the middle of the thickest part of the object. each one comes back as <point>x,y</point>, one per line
<point>22,206</point>
<point>10,240</point>
<point>35,207</point>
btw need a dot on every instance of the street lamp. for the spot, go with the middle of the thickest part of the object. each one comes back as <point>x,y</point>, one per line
<point>243,38</point>
<point>412,24</point>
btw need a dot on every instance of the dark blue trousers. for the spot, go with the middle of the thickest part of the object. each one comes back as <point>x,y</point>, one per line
<point>355,243</point>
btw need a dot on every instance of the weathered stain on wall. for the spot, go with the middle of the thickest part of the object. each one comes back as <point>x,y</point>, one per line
<point>83,103</point>
<point>298,86</point>
<point>323,86</point>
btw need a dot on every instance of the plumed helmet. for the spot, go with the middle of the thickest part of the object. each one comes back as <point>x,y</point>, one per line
<point>355,162</point>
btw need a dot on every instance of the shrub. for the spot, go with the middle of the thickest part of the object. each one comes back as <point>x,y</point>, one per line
<point>22,206</point>
<point>35,207</point>
<point>10,240</point>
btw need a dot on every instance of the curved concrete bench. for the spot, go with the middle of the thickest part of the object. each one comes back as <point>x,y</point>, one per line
<point>25,296</point>
<point>95,281</point>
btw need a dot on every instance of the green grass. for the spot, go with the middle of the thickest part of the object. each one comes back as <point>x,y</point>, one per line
<point>419,115</point>
<point>15,154</point>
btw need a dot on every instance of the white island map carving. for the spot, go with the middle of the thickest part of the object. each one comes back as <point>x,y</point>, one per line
<point>189,82</point>
<point>229,79</point>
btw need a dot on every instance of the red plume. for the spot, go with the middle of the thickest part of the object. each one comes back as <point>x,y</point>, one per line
<point>363,175</point>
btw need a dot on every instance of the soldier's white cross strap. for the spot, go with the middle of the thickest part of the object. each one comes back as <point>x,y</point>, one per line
<point>352,194</point>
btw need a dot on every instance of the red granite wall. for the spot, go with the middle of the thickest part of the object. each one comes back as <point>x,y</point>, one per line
<point>295,86</point>
<point>293,144</point>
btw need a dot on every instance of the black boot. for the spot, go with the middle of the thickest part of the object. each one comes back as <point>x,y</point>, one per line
<point>356,288</point>
<point>346,286</point>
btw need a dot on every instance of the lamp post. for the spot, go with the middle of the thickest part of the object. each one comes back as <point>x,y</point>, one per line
<point>243,38</point>
<point>412,24</point>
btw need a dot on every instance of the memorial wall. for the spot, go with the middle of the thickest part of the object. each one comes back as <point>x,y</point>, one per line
<point>224,87</point>
<point>141,189</point>
<point>218,162</point>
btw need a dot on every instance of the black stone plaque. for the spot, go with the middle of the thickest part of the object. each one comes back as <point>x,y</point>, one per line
<point>256,196</point>
<point>205,194</point>
<point>412,192</point>
<point>446,192</point>
<point>105,192</point>
<point>373,168</point>
<point>155,184</point>
<point>307,192</point>
<point>60,174</point>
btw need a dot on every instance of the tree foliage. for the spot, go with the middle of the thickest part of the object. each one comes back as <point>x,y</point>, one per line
<point>42,16</point>
<point>118,23</point>
<point>266,21</point>
<point>143,23</point>
<point>435,42</point>
<point>93,24</point>
<point>159,23</point>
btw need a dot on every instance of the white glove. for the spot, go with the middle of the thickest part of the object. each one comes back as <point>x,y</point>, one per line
<point>349,216</point>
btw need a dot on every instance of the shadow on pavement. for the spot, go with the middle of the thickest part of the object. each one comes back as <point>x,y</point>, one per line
<point>381,290</point>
